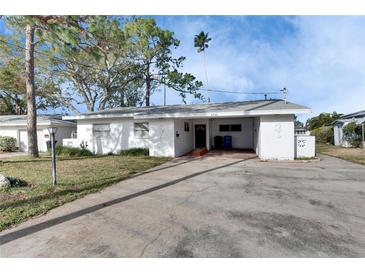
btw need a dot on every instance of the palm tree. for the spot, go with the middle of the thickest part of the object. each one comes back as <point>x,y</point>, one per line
<point>201,41</point>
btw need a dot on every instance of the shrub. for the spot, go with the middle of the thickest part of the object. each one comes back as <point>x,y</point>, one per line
<point>352,134</point>
<point>7,143</point>
<point>73,151</point>
<point>16,182</point>
<point>323,134</point>
<point>137,151</point>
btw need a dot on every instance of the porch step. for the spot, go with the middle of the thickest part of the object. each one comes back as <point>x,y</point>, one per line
<point>199,152</point>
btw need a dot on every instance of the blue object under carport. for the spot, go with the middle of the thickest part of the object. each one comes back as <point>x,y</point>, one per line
<point>227,141</point>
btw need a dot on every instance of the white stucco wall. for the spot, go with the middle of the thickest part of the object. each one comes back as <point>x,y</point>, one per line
<point>304,146</point>
<point>160,140</point>
<point>272,136</point>
<point>184,143</point>
<point>121,135</point>
<point>337,132</point>
<point>162,137</point>
<point>20,133</point>
<point>240,139</point>
<point>9,131</point>
<point>276,138</point>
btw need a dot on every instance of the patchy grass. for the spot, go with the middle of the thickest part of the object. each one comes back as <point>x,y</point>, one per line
<point>356,155</point>
<point>305,158</point>
<point>76,178</point>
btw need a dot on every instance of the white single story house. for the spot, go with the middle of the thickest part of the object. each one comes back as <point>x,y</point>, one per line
<point>357,117</point>
<point>16,126</point>
<point>265,126</point>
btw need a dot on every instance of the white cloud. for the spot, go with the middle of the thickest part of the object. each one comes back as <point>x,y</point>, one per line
<point>320,60</point>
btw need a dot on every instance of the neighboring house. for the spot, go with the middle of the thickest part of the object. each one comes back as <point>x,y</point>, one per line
<point>266,126</point>
<point>16,126</point>
<point>357,117</point>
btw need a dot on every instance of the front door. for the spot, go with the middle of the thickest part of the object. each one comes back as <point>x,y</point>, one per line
<point>200,136</point>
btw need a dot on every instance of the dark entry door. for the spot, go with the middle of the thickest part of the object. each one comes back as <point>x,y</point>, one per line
<point>200,136</point>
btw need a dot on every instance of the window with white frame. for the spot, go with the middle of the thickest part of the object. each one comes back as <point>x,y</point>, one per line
<point>101,130</point>
<point>141,130</point>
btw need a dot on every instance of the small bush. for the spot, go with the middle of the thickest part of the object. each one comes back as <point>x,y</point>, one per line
<point>73,151</point>
<point>135,152</point>
<point>352,133</point>
<point>323,134</point>
<point>7,143</point>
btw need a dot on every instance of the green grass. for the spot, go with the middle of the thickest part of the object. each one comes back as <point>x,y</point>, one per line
<point>356,155</point>
<point>135,152</point>
<point>305,158</point>
<point>76,177</point>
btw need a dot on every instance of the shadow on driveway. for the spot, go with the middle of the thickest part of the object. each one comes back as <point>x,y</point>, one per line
<point>47,224</point>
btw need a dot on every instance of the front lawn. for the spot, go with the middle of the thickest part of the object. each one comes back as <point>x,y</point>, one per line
<point>356,155</point>
<point>76,177</point>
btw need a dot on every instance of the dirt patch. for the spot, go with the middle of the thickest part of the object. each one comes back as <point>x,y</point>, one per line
<point>9,196</point>
<point>297,234</point>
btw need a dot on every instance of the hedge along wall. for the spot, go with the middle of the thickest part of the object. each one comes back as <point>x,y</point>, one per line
<point>7,143</point>
<point>323,134</point>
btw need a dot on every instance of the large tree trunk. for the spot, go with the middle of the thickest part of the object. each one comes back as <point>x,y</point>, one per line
<point>30,87</point>
<point>148,92</point>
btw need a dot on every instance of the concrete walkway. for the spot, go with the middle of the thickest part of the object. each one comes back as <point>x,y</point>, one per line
<point>209,207</point>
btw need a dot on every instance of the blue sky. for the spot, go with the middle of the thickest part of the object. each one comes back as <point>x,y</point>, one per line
<point>319,59</point>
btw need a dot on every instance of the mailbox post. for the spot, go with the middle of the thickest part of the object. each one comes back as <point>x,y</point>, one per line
<point>52,131</point>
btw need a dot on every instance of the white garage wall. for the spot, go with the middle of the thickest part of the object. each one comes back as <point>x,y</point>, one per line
<point>20,133</point>
<point>41,140</point>
<point>276,137</point>
<point>9,131</point>
<point>337,130</point>
<point>184,143</point>
<point>240,139</point>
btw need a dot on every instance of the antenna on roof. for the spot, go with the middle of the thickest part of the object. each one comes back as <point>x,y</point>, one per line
<point>285,93</point>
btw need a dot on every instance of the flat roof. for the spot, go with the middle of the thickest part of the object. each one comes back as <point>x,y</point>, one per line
<point>241,108</point>
<point>42,120</point>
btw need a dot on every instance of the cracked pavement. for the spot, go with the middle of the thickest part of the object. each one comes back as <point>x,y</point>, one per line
<point>214,206</point>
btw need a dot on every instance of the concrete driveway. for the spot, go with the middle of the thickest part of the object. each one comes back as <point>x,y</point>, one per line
<point>215,206</point>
